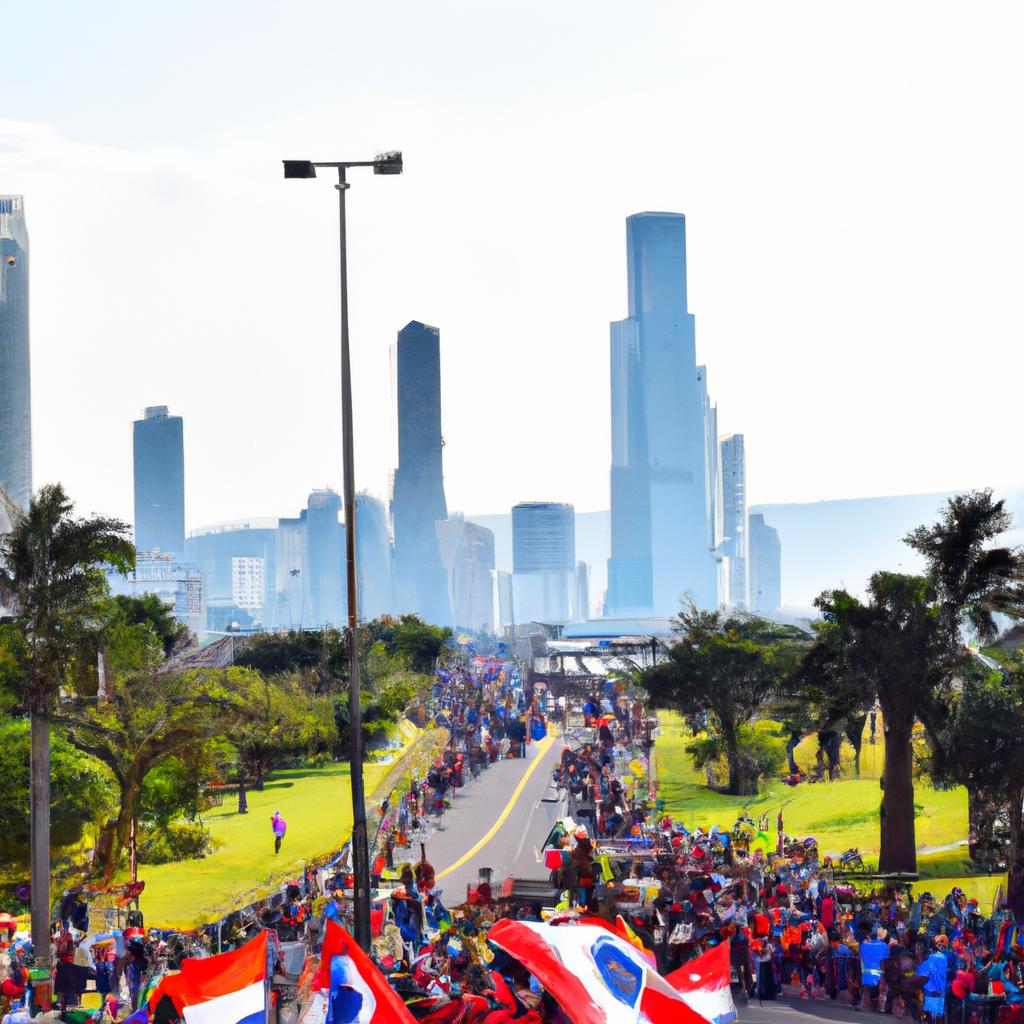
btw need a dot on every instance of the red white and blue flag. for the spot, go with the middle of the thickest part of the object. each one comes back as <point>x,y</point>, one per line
<point>598,977</point>
<point>230,988</point>
<point>704,984</point>
<point>353,988</point>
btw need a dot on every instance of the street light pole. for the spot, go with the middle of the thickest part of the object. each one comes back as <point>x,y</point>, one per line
<point>386,163</point>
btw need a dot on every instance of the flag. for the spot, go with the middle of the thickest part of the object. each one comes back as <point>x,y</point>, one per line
<point>357,991</point>
<point>596,976</point>
<point>230,988</point>
<point>704,984</point>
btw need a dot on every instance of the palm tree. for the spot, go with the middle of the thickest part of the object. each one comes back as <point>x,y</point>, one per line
<point>52,574</point>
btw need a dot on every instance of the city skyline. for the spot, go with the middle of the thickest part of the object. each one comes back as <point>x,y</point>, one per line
<point>815,263</point>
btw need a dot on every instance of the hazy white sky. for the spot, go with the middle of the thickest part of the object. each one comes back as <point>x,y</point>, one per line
<point>851,175</point>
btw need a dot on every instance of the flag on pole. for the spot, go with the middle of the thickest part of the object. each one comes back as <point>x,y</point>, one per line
<point>596,976</point>
<point>357,993</point>
<point>230,988</point>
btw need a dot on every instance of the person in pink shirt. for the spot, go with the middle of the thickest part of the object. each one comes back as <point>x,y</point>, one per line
<point>280,826</point>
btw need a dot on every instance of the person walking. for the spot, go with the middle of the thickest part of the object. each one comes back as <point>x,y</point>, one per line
<point>280,826</point>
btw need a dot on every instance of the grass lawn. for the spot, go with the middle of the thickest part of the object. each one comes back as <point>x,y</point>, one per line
<point>317,805</point>
<point>839,814</point>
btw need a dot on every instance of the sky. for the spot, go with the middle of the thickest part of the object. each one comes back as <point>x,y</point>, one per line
<point>850,173</point>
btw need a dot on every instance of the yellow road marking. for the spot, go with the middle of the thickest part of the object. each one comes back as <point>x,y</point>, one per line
<point>542,748</point>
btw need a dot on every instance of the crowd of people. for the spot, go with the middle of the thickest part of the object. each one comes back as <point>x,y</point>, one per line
<point>794,928</point>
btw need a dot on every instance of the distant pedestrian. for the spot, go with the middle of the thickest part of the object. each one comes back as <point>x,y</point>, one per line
<point>280,826</point>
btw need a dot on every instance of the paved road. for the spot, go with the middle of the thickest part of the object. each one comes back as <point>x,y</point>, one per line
<point>498,821</point>
<point>799,1011</point>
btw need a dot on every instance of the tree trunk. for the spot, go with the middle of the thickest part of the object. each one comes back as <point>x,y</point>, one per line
<point>131,789</point>
<point>898,844</point>
<point>831,742</point>
<point>243,804</point>
<point>39,821</point>
<point>1015,876</point>
<point>981,820</point>
<point>855,734</point>
<point>730,743</point>
<point>794,741</point>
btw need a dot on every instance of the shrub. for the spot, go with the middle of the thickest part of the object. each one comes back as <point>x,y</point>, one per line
<point>181,840</point>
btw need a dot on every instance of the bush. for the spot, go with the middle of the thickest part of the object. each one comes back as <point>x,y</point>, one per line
<point>182,840</point>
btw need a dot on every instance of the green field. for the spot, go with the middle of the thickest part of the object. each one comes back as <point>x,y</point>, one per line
<point>317,805</point>
<point>839,815</point>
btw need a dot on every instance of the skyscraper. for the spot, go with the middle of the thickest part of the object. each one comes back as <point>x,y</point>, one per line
<point>765,567</point>
<point>325,559</point>
<point>467,551</point>
<point>660,547</point>
<point>15,378</point>
<point>543,561</point>
<point>734,519</point>
<point>159,457</point>
<point>418,500</point>
<point>373,557</point>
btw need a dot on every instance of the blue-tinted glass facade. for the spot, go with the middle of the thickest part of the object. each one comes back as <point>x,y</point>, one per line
<point>543,537</point>
<point>765,567</point>
<point>373,558</point>
<point>159,464</point>
<point>216,552</point>
<point>325,559</point>
<point>418,500</point>
<point>659,516</point>
<point>15,378</point>
<point>734,518</point>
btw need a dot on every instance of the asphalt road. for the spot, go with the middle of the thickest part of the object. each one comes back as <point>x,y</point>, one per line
<point>799,1011</point>
<point>498,821</point>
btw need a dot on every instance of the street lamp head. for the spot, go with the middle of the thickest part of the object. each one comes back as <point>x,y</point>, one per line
<point>388,163</point>
<point>299,169</point>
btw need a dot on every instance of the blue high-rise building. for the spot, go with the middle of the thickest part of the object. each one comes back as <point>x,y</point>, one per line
<point>159,463</point>
<point>238,562</point>
<point>373,558</point>
<point>660,551</point>
<point>734,546</point>
<point>765,567</point>
<point>418,500</point>
<point>544,561</point>
<point>15,379</point>
<point>325,554</point>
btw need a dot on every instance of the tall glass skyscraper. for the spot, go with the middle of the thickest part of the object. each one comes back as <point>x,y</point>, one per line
<point>325,559</point>
<point>660,550</point>
<point>734,519</point>
<point>373,557</point>
<point>765,567</point>
<point>544,561</point>
<point>15,378</point>
<point>159,463</point>
<point>418,500</point>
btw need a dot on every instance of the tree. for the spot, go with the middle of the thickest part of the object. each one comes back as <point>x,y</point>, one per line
<point>276,720</point>
<point>892,646</point>
<point>52,574</point>
<point>719,673</point>
<point>974,579</point>
<point>150,610</point>
<point>990,760</point>
<point>80,787</point>
<point>148,719</point>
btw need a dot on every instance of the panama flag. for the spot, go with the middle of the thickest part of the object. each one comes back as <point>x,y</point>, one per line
<point>357,993</point>
<point>230,988</point>
<point>596,976</point>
